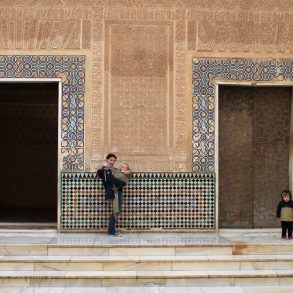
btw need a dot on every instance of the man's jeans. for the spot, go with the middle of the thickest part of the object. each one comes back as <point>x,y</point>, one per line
<point>112,220</point>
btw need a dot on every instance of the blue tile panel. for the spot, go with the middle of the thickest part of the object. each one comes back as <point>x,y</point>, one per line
<point>205,73</point>
<point>152,202</point>
<point>71,70</point>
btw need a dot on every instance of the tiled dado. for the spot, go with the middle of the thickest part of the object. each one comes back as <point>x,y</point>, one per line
<point>71,72</point>
<point>205,74</point>
<point>151,201</point>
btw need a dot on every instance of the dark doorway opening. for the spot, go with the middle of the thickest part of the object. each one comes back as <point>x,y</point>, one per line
<point>254,136</point>
<point>29,152</point>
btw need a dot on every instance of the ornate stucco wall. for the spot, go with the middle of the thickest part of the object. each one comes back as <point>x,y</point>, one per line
<point>140,78</point>
<point>138,63</point>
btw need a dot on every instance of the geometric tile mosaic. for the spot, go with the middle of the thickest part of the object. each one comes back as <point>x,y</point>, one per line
<point>151,202</point>
<point>205,72</point>
<point>71,70</point>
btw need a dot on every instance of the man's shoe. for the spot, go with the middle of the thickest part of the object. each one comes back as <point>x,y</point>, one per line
<point>290,238</point>
<point>283,238</point>
<point>117,234</point>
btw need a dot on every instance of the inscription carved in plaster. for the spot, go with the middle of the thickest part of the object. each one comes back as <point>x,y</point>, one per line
<point>267,5</point>
<point>44,29</point>
<point>240,32</point>
<point>97,86</point>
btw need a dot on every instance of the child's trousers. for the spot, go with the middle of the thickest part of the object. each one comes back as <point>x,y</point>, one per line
<point>286,226</point>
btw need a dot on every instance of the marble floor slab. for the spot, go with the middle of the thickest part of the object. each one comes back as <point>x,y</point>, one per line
<point>222,238</point>
<point>208,289</point>
<point>49,243</point>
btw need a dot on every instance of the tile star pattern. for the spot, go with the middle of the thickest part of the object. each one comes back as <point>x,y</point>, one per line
<point>205,73</point>
<point>71,71</point>
<point>152,201</point>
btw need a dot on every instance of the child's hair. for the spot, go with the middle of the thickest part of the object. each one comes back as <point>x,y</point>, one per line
<point>111,156</point>
<point>286,191</point>
<point>126,164</point>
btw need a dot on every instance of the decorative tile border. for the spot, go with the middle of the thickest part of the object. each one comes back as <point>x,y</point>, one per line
<point>152,202</point>
<point>71,70</point>
<point>205,72</point>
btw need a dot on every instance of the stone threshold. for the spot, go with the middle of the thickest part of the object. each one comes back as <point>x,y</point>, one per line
<point>136,258</point>
<point>146,274</point>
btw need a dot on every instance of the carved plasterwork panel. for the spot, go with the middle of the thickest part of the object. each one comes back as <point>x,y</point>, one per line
<point>139,49</point>
<point>139,116</point>
<point>45,28</point>
<point>139,107</point>
<point>259,5</point>
<point>240,31</point>
<point>139,102</point>
<point>97,79</point>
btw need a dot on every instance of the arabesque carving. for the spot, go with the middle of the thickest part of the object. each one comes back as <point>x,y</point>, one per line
<point>163,36</point>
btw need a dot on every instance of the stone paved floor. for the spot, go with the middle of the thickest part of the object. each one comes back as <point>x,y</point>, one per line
<point>226,236</point>
<point>223,289</point>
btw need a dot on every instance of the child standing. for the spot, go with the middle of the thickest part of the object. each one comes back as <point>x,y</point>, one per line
<point>285,214</point>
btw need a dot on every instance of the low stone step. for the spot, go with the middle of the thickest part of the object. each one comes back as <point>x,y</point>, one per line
<point>282,248</point>
<point>146,278</point>
<point>153,289</point>
<point>114,249</point>
<point>129,263</point>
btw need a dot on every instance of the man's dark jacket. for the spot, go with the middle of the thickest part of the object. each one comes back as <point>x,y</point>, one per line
<point>109,182</point>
